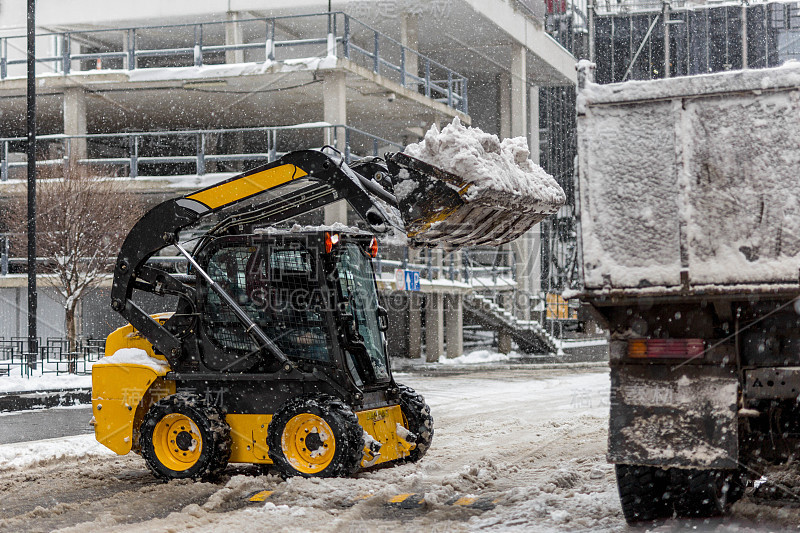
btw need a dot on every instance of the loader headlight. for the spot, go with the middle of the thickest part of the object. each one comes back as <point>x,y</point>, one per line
<point>372,250</point>
<point>331,240</point>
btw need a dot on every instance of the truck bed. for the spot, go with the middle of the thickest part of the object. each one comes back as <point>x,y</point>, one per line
<point>691,185</point>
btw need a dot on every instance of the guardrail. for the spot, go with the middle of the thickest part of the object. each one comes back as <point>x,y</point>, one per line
<point>481,268</point>
<point>52,357</point>
<point>268,39</point>
<point>165,153</point>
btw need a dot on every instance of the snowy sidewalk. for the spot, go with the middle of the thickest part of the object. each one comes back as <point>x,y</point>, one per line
<point>480,360</point>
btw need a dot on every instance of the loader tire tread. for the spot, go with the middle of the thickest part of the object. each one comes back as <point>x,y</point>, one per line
<point>210,421</point>
<point>348,434</point>
<point>420,421</point>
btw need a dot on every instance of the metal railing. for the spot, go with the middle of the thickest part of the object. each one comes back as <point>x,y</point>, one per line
<point>469,266</point>
<point>285,38</point>
<point>52,356</point>
<point>169,153</point>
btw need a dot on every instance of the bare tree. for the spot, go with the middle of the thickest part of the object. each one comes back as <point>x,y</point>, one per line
<point>81,223</point>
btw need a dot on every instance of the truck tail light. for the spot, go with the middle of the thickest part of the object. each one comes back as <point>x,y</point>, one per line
<point>665,348</point>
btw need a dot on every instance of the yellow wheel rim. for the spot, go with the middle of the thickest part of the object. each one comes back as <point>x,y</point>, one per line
<point>308,443</point>
<point>177,442</point>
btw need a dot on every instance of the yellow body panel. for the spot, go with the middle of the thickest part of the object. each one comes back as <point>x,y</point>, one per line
<point>234,190</point>
<point>121,394</point>
<point>128,337</point>
<point>249,435</point>
<point>381,424</point>
<point>249,438</point>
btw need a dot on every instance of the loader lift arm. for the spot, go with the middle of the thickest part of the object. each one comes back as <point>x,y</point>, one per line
<point>316,180</point>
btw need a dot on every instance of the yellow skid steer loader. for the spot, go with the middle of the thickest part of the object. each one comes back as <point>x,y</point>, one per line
<point>275,353</point>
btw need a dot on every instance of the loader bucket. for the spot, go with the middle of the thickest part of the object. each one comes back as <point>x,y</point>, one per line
<point>438,211</point>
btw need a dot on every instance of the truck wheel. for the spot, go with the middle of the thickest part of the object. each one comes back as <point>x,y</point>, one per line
<point>418,420</point>
<point>642,492</point>
<point>701,493</point>
<point>182,437</point>
<point>315,436</point>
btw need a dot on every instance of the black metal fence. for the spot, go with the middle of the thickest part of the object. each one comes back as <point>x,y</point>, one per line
<point>659,41</point>
<point>52,357</point>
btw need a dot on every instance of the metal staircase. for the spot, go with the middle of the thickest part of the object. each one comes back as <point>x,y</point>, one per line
<point>529,335</point>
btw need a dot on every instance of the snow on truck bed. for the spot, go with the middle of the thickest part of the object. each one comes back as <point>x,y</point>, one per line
<point>695,174</point>
<point>487,163</point>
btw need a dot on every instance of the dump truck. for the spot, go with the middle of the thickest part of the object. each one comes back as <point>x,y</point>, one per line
<point>689,206</point>
<point>275,352</point>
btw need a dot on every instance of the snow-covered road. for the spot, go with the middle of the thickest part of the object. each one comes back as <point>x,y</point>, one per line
<point>532,442</point>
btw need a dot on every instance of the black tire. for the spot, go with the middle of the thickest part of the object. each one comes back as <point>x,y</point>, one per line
<point>418,420</point>
<point>704,493</point>
<point>643,492</point>
<point>317,414</point>
<point>171,432</point>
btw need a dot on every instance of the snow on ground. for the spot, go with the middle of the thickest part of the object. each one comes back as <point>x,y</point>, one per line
<point>478,357</point>
<point>531,441</point>
<point>23,455</point>
<point>44,382</point>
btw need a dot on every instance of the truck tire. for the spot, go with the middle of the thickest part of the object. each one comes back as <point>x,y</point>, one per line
<point>315,435</point>
<point>703,493</point>
<point>418,420</point>
<point>642,492</point>
<point>182,437</point>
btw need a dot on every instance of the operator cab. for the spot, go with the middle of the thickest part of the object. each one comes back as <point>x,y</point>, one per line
<point>312,293</point>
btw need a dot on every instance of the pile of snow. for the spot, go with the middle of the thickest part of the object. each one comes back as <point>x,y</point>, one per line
<point>26,454</point>
<point>46,382</point>
<point>482,159</point>
<point>477,357</point>
<point>134,356</point>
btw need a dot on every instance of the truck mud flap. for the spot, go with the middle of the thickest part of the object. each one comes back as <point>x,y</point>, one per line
<point>673,417</point>
<point>438,209</point>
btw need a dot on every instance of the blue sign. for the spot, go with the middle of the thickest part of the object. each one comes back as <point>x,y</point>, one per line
<point>412,280</point>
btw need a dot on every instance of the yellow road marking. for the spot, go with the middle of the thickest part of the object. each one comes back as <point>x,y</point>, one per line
<point>261,496</point>
<point>400,498</point>
<point>465,500</point>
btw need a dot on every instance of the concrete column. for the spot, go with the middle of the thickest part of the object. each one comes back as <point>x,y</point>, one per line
<point>125,46</point>
<point>334,103</point>
<point>744,36</point>
<point>503,342</point>
<point>438,263</point>
<point>409,31</point>
<point>414,326</point>
<point>534,251</point>
<point>504,101</point>
<point>523,120</point>
<point>455,325</point>
<point>666,40</point>
<point>519,91</point>
<point>534,140</point>
<point>74,115</point>
<point>434,327</point>
<point>513,95</point>
<point>524,259</point>
<point>233,35</point>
